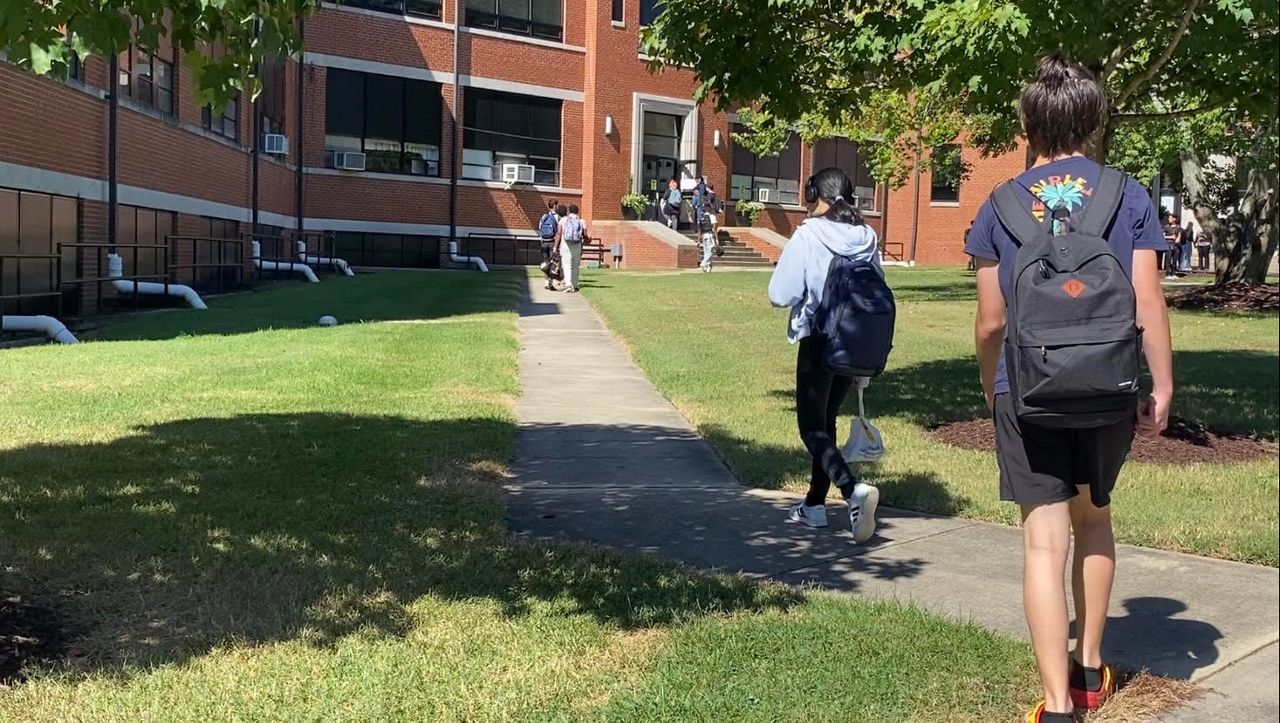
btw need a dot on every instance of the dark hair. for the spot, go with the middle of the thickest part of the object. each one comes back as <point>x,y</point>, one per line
<point>1062,108</point>
<point>833,186</point>
<point>561,210</point>
<point>573,208</point>
<point>551,205</point>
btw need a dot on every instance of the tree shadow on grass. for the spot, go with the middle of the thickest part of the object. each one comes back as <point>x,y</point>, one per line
<point>390,296</point>
<point>185,536</point>
<point>1230,391</point>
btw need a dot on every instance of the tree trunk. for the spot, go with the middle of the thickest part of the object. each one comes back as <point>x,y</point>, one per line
<point>1258,208</point>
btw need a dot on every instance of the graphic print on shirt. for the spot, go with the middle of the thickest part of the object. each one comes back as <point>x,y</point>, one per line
<point>1069,192</point>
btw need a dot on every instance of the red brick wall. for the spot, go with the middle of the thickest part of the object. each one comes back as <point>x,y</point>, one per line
<point>940,238</point>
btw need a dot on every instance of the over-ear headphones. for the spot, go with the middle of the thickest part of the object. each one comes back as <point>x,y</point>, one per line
<point>810,191</point>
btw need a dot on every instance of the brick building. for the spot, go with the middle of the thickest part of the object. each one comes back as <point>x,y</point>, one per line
<point>392,131</point>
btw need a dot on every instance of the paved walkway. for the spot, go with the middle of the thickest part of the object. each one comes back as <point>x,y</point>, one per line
<point>620,466</point>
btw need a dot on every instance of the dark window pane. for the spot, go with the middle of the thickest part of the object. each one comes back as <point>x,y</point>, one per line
<point>789,160</point>
<point>546,12</point>
<point>649,11</point>
<point>344,103</point>
<point>422,112</point>
<point>947,168</point>
<point>384,107</point>
<point>617,11</point>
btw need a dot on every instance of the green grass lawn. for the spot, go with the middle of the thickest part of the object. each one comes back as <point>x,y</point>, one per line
<point>712,344</point>
<point>240,516</point>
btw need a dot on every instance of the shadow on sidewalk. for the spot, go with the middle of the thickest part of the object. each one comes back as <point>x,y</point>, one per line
<point>1150,637</point>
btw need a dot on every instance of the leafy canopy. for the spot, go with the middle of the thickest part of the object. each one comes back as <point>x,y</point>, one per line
<point>42,34</point>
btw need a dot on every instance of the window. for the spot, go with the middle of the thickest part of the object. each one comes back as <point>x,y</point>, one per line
<point>271,101</point>
<point>225,123</point>
<point>147,79</point>
<point>535,18</point>
<point>417,8</point>
<point>844,154</point>
<point>35,223</point>
<point>617,12</point>
<point>394,121</point>
<point>503,128</point>
<point>649,11</point>
<point>75,67</point>
<point>947,172</point>
<point>778,175</point>
<point>387,250</point>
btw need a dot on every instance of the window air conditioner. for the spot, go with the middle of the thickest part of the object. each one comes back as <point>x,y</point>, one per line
<point>348,161</point>
<point>513,173</point>
<point>275,144</point>
<point>764,195</point>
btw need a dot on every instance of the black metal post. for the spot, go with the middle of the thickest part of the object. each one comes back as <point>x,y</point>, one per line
<point>453,124</point>
<point>113,132</point>
<point>301,125</point>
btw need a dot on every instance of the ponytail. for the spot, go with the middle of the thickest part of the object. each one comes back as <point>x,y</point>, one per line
<point>833,186</point>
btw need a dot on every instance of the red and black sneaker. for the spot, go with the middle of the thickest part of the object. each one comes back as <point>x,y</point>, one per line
<point>1091,687</point>
<point>1038,714</point>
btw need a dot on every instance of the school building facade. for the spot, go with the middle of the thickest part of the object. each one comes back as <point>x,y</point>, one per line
<point>400,128</point>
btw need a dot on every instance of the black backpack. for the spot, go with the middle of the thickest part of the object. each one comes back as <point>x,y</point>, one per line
<point>856,315</point>
<point>1071,336</point>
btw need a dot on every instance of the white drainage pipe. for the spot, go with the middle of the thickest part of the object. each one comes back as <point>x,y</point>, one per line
<point>47,325</point>
<point>281,265</point>
<point>339,264</point>
<point>115,269</point>
<point>475,261</point>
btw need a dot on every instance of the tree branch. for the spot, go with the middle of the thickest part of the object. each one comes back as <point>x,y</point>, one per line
<point>1113,59</point>
<point>1147,74</point>
<point>1170,115</point>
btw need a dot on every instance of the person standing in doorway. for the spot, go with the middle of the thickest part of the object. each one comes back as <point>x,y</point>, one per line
<point>1059,465</point>
<point>834,227</point>
<point>548,225</point>
<point>573,231</point>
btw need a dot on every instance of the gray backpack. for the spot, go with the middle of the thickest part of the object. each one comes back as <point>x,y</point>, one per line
<point>1071,337</point>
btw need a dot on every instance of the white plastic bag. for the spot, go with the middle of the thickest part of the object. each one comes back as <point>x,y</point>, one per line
<point>865,443</point>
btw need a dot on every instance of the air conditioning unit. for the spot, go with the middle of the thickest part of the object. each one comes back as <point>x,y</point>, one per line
<point>348,161</point>
<point>274,144</point>
<point>516,173</point>
<point>764,195</point>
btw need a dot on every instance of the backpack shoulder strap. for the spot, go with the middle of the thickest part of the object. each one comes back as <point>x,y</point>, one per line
<point>1103,206</point>
<point>1014,215</point>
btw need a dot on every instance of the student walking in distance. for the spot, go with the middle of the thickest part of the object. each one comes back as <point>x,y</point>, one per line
<point>573,231</point>
<point>1187,241</point>
<point>1203,247</point>
<point>1068,279</point>
<point>834,227</point>
<point>548,225</point>
<point>671,203</point>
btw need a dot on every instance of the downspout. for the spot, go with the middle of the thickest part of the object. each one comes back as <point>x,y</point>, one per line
<point>915,221</point>
<point>457,258</point>
<point>267,265</point>
<point>257,131</point>
<point>113,132</point>
<point>115,269</point>
<point>301,82</point>
<point>453,131</point>
<point>52,328</point>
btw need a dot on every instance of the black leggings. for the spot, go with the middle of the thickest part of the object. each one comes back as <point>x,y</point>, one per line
<point>819,394</point>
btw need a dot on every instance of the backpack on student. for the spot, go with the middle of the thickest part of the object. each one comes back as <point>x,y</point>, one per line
<point>547,225</point>
<point>1071,336</point>
<point>856,315</point>
<point>574,229</point>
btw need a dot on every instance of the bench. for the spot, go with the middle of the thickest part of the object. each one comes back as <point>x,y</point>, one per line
<point>593,249</point>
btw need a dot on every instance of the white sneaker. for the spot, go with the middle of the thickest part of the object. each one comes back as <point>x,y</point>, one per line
<point>862,511</point>
<point>815,516</point>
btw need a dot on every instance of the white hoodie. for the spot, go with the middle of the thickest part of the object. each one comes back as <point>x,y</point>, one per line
<point>801,274</point>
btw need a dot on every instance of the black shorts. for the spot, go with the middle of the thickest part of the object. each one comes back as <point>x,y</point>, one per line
<point>1040,466</point>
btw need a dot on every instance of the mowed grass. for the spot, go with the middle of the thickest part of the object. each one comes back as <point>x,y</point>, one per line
<point>714,346</point>
<point>240,516</point>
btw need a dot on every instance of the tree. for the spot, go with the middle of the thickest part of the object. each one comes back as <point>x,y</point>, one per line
<point>42,34</point>
<point>810,62</point>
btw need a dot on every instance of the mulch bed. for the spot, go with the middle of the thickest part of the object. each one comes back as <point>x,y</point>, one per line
<point>1183,442</point>
<point>28,634</point>
<point>1228,297</point>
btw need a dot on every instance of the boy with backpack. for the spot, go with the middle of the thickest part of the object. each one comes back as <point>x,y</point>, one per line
<point>548,225</point>
<point>1068,297</point>
<point>573,231</point>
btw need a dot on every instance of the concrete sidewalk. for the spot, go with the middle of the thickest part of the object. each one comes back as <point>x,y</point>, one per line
<point>602,457</point>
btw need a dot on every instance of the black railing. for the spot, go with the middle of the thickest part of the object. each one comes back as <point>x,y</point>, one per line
<point>91,274</point>
<point>503,249</point>
<point>390,251</point>
<point>216,263</point>
<point>416,8</point>
<point>14,299</point>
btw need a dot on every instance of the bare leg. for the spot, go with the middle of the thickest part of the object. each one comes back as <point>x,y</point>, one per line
<point>1046,534</point>
<point>1093,569</point>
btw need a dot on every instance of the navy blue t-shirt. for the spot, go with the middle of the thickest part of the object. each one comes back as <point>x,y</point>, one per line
<point>1069,183</point>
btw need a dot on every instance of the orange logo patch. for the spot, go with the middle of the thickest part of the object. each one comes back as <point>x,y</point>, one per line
<point>1074,288</point>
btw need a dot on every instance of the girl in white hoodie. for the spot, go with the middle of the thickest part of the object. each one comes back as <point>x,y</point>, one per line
<point>833,227</point>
